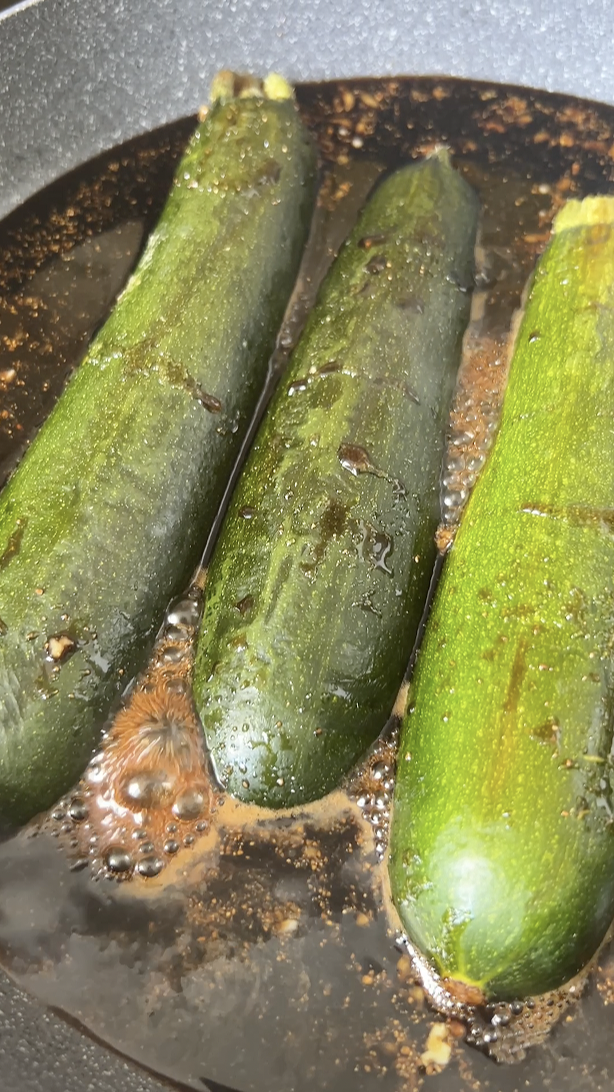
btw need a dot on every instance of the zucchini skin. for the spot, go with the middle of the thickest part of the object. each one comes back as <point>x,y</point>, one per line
<point>104,519</point>
<point>502,842</point>
<point>313,600</point>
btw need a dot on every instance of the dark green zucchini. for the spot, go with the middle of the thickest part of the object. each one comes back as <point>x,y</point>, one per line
<point>104,519</point>
<point>502,845</point>
<point>320,575</point>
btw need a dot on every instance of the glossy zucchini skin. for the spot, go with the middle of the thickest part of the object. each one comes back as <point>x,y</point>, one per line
<point>104,519</point>
<point>320,575</point>
<point>502,842</point>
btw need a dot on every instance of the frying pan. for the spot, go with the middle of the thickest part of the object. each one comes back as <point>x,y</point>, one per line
<point>79,76</point>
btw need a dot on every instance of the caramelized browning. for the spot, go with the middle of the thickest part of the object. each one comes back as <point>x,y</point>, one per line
<point>463,992</point>
<point>149,792</point>
<point>473,423</point>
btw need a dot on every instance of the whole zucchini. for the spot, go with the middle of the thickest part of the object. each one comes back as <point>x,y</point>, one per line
<point>502,845</point>
<point>320,575</point>
<point>103,521</point>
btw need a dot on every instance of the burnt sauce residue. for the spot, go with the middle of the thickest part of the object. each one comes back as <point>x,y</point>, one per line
<point>218,944</point>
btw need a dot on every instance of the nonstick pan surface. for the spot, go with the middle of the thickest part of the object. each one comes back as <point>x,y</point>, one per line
<point>77,77</point>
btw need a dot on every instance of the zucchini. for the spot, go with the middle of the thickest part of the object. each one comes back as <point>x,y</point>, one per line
<point>502,841</point>
<point>104,519</point>
<point>320,575</point>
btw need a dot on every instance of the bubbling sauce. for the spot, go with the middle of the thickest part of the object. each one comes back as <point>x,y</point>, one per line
<point>214,942</point>
<point>148,792</point>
